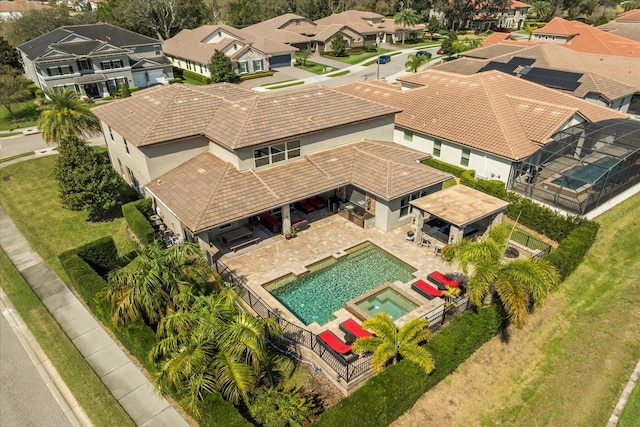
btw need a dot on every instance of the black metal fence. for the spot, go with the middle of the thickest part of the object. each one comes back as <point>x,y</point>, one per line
<point>348,371</point>
<point>531,242</point>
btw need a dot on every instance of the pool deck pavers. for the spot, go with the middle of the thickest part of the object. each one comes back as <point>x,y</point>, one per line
<point>328,236</point>
<point>123,378</point>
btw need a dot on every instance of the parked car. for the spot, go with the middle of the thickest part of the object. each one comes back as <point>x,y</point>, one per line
<point>503,30</point>
<point>383,59</point>
<point>423,54</point>
<point>440,52</point>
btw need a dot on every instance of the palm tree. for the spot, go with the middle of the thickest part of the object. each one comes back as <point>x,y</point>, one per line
<point>389,343</point>
<point>519,284</point>
<point>406,18</point>
<point>414,62</point>
<point>63,115</point>
<point>542,9</point>
<point>210,346</point>
<point>159,280</point>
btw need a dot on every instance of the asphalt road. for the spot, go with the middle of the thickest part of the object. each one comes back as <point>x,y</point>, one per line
<point>25,399</point>
<point>13,145</point>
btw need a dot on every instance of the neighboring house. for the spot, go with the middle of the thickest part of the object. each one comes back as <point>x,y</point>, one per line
<point>611,81</point>
<point>535,139</point>
<point>513,17</point>
<point>95,59</point>
<point>192,50</point>
<point>17,7</point>
<point>626,25</point>
<point>356,27</point>
<point>582,37</point>
<point>214,157</point>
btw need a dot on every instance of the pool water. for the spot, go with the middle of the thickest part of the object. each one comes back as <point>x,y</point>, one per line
<point>387,301</point>
<point>315,296</point>
<point>579,176</point>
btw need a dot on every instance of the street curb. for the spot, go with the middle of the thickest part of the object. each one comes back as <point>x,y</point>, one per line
<point>59,390</point>
<point>622,402</point>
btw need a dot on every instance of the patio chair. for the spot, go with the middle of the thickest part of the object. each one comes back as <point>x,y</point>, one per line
<point>425,240</point>
<point>305,206</point>
<point>426,290</point>
<point>334,343</point>
<point>316,202</point>
<point>353,330</point>
<point>441,280</point>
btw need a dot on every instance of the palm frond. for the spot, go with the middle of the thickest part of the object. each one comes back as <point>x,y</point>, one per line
<point>418,355</point>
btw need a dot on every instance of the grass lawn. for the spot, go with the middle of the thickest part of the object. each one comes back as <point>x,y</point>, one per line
<point>570,363</point>
<point>31,199</point>
<point>316,68</point>
<point>92,395</point>
<point>630,416</point>
<point>295,83</point>
<point>26,111</point>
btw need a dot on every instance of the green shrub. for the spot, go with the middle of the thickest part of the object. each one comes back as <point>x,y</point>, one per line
<point>195,76</point>
<point>101,255</point>
<point>217,412</point>
<point>33,88</point>
<point>107,98</point>
<point>138,222</point>
<point>127,192</point>
<point>133,89</point>
<point>178,73</point>
<point>256,75</point>
<point>386,396</point>
<point>446,167</point>
<point>570,253</point>
<point>176,80</point>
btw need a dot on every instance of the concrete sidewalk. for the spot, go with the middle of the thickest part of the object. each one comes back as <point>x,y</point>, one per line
<point>122,377</point>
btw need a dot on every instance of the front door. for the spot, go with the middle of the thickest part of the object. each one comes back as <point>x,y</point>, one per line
<point>92,90</point>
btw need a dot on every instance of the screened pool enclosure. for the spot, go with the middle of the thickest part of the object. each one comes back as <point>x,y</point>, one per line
<point>583,166</point>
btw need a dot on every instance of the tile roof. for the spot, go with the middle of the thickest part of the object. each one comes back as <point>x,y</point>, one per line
<point>612,76</point>
<point>232,116</point>
<point>627,25</point>
<point>190,44</point>
<point>206,191</point>
<point>275,29</point>
<point>491,111</point>
<point>21,6</point>
<point>359,21</point>
<point>585,38</point>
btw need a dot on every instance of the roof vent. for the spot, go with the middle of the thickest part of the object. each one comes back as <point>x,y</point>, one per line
<point>201,170</point>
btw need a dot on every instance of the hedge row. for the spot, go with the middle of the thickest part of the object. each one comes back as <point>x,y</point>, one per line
<point>137,337</point>
<point>537,217</point>
<point>570,253</point>
<point>445,167</point>
<point>195,76</point>
<point>386,396</point>
<point>136,215</point>
<point>256,75</point>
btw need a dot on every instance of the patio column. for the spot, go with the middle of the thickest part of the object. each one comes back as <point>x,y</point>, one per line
<point>497,219</point>
<point>286,218</point>
<point>455,233</point>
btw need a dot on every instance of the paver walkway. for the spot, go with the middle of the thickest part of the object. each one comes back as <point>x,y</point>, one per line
<point>122,377</point>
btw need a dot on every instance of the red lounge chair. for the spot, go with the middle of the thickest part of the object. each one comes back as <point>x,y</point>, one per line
<point>334,343</point>
<point>351,327</point>
<point>305,206</point>
<point>426,290</point>
<point>316,202</point>
<point>441,280</point>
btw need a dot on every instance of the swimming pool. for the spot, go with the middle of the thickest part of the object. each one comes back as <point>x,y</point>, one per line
<point>387,301</point>
<point>314,297</point>
<point>578,176</point>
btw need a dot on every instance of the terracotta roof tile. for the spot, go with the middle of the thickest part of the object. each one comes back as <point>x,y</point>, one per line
<point>232,116</point>
<point>275,29</point>
<point>490,111</point>
<point>206,191</point>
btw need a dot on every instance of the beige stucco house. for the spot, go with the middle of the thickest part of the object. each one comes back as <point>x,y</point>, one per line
<point>215,157</point>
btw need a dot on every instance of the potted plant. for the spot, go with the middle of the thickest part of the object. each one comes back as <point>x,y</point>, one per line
<point>293,231</point>
<point>411,235</point>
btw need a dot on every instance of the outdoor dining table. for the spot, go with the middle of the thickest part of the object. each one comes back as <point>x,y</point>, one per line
<point>235,234</point>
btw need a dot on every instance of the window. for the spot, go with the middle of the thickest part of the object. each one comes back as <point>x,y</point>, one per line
<point>60,70</point>
<point>120,167</point>
<point>408,136</point>
<point>243,67</point>
<point>157,51</point>
<point>464,160</point>
<point>111,134</point>
<point>257,65</point>
<point>126,146</point>
<point>84,64</point>
<point>437,146</point>
<point>264,156</point>
<point>405,207</point>
<point>113,64</point>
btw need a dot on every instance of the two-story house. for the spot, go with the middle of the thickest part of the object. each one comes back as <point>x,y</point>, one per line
<point>215,157</point>
<point>95,59</point>
<point>568,152</point>
<point>192,50</point>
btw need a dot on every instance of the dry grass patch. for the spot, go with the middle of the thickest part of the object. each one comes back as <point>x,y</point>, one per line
<point>569,364</point>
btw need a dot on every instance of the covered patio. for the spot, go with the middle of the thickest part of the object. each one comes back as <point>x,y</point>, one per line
<point>455,212</point>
